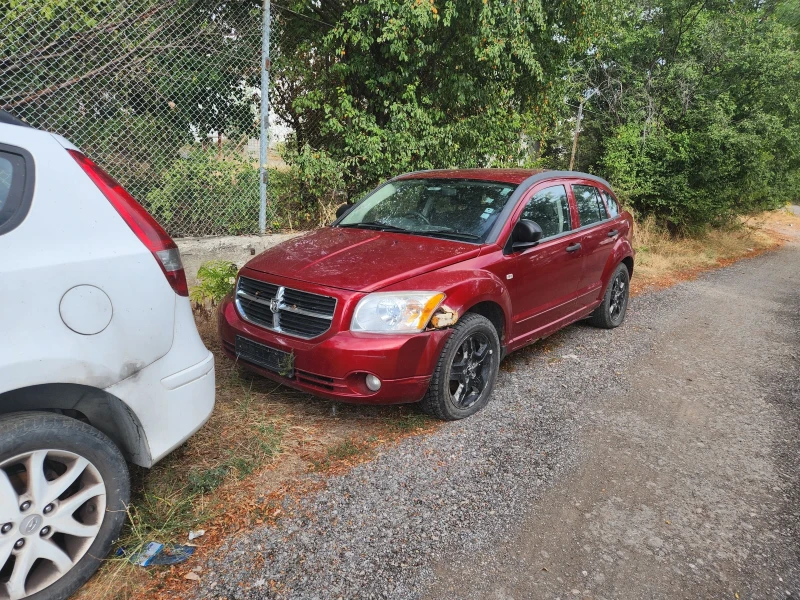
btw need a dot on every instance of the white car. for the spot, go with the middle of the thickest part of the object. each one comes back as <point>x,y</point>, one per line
<point>100,359</point>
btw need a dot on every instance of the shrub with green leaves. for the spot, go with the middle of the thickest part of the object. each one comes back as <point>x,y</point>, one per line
<point>694,120</point>
<point>309,191</point>
<point>207,194</point>
<point>216,280</point>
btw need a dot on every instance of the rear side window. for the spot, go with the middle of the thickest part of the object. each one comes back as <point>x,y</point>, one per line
<point>611,203</point>
<point>13,196</point>
<point>590,207</point>
<point>550,209</point>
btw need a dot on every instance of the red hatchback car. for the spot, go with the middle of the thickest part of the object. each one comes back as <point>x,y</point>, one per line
<point>418,291</point>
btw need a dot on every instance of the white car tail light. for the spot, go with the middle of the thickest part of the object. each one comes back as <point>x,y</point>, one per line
<point>146,228</point>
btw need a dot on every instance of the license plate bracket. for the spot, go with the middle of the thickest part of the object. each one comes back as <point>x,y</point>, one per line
<point>266,357</point>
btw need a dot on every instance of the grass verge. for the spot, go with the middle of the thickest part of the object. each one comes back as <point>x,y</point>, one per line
<point>663,260</point>
<point>262,444</point>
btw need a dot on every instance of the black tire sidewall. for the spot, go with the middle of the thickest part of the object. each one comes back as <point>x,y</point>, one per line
<point>620,270</point>
<point>26,432</point>
<point>476,323</point>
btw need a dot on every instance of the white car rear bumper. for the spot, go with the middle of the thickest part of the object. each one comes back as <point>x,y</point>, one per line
<point>171,400</point>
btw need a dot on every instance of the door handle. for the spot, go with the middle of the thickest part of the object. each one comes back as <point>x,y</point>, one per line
<point>612,233</point>
<point>573,247</point>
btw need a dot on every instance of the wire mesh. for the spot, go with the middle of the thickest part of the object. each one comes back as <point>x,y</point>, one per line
<point>164,94</point>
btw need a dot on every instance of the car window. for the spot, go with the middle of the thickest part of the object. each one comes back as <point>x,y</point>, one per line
<point>611,203</point>
<point>12,185</point>
<point>6,174</point>
<point>460,208</point>
<point>404,200</point>
<point>590,206</point>
<point>550,209</point>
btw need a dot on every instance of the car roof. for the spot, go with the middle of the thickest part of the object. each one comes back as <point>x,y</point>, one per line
<point>513,176</point>
<point>516,176</point>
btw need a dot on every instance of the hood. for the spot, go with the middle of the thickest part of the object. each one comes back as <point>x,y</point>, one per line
<point>359,259</point>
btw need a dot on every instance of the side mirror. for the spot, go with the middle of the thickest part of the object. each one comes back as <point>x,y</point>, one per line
<point>342,209</point>
<point>526,234</point>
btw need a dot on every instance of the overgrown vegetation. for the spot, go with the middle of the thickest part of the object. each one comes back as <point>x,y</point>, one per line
<point>215,280</point>
<point>663,259</point>
<point>207,182</point>
<point>307,193</point>
<point>691,107</point>
<point>694,108</point>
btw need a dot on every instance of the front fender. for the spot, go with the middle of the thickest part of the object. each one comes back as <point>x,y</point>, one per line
<point>464,288</point>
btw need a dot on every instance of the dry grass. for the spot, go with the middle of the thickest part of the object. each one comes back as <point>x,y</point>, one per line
<point>266,444</point>
<point>663,260</point>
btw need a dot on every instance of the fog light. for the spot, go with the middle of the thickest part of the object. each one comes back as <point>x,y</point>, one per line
<point>373,383</point>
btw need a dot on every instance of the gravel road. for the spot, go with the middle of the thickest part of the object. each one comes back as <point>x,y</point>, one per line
<point>657,460</point>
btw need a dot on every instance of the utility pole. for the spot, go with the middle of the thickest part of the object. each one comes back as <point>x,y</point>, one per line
<point>264,122</point>
<point>575,137</point>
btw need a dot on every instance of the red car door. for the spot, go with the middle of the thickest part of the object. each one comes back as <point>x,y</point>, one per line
<point>543,281</point>
<point>597,242</point>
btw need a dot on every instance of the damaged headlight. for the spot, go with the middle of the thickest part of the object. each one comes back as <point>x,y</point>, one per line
<point>395,312</point>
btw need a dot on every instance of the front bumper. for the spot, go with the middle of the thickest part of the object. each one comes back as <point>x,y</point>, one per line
<point>335,366</point>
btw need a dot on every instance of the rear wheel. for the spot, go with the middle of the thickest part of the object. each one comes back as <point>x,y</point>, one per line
<point>466,372</point>
<point>64,490</point>
<point>611,311</point>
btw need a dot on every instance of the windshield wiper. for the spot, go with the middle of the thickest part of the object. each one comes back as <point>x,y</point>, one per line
<point>374,225</point>
<point>450,233</point>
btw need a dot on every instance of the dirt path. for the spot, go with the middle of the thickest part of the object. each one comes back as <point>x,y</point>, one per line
<point>687,482</point>
<point>657,460</point>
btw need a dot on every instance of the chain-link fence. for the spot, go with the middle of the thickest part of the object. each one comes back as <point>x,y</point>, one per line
<point>164,94</point>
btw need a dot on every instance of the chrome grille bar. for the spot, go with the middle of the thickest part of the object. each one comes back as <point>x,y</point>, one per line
<point>315,324</point>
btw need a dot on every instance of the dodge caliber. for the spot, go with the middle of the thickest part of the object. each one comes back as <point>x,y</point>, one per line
<point>417,292</point>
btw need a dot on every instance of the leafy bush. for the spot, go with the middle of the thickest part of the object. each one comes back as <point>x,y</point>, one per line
<point>203,184</point>
<point>694,123</point>
<point>217,278</point>
<point>309,191</point>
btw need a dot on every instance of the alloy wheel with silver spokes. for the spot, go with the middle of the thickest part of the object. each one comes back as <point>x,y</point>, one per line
<point>52,505</point>
<point>469,373</point>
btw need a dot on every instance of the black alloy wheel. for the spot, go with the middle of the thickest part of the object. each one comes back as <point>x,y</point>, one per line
<point>470,370</point>
<point>611,311</point>
<point>465,375</point>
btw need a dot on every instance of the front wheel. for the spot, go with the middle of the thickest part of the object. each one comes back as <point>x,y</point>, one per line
<point>64,489</point>
<point>466,372</point>
<point>611,311</point>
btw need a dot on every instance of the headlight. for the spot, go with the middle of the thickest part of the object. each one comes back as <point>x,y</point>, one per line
<point>395,312</point>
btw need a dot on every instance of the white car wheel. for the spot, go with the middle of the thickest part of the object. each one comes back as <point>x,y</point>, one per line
<point>55,522</point>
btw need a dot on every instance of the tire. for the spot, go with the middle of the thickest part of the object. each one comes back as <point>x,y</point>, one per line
<point>471,336</point>
<point>76,529</point>
<point>611,311</point>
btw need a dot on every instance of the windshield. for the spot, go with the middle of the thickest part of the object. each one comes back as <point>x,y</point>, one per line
<point>456,208</point>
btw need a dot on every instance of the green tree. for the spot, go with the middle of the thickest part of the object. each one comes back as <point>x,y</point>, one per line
<point>418,84</point>
<point>695,109</point>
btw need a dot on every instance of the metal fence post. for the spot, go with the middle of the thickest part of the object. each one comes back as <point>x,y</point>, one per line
<point>264,135</point>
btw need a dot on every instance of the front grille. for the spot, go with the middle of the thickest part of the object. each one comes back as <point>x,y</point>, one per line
<point>285,310</point>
